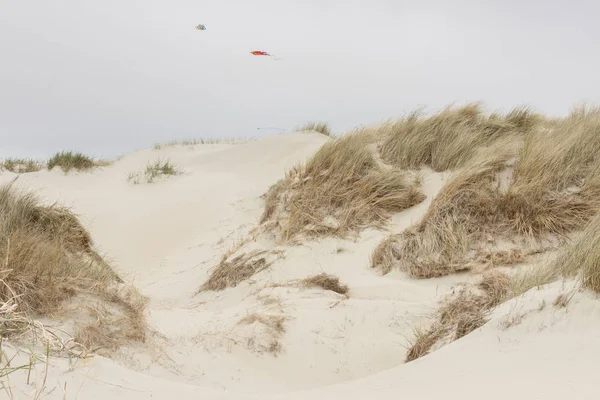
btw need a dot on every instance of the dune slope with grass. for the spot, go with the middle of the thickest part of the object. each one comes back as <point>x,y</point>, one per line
<point>435,256</point>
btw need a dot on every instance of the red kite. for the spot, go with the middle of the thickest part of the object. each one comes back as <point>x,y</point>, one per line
<point>263,53</point>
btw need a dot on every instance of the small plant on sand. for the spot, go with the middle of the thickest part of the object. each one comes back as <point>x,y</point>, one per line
<point>326,282</point>
<point>154,171</point>
<point>321,127</point>
<point>68,160</point>
<point>20,165</point>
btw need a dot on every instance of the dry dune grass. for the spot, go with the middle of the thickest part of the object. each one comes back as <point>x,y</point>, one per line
<point>461,314</point>
<point>326,282</point>
<point>342,188</point>
<point>194,142</point>
<point>582,258</point>
<point>20,165</point>
<point>553,189</point>
<point>47,258</point>
<point>232,271</point>
<point>321,127</point>
<point>450,138</point>
<point>116,319</point>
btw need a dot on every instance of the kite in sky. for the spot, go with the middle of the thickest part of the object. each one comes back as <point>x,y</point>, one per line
<point>263,53</point>
<point>200,27</point>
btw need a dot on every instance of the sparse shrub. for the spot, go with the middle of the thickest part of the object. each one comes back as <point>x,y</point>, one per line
<point>326,282</point>
<point>68,160</point>
<point>321,127</point>
<point>153,172</point>
<point>20,165</point>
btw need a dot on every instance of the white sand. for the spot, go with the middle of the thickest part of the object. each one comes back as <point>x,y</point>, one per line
<point>164,237</point>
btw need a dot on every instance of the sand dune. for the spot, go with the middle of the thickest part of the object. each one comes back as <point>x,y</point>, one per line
<point>269,337</point>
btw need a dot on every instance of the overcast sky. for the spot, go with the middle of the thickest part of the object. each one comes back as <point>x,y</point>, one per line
<point>110,76</point>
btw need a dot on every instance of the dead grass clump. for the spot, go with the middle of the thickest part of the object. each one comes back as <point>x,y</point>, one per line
<point>47,256</point>
<point>461,314</point>
<point>422,342</point>
<point>554,189</point>
<point>321,127</point>
<point>117,318</point>
<point>229,273</point>
<point>20,165</point>
<point>342,188</point>
<point>450,138</point>
<point>326,282</point>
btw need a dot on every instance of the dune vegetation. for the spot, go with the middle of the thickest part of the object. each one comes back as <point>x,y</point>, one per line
<point>340,190</point>
<point>321,127</point>
<point>154,171</point>
<point>194,142</point>
<point>542,187</point>
<point>522,184</point>
<point>21,165</point>
<point>326,282</point>
<point>48,259</point>
<point>69,160</point>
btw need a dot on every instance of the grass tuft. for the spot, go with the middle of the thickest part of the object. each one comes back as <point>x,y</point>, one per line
<point>582,258</point>
<point>326,282</point>
<point>321,127</point>
<point>230,273</point>
<point>68,160</point>
<point>194,142</point>
<point>342,188</point>
<point>20,165</point>
<point>154,171</point>
<point>461,314</point>
<point>450,138</point>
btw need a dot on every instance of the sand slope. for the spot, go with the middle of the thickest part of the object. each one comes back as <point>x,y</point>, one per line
<point>166,236</point>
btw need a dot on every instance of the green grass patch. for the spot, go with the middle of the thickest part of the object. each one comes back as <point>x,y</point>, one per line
<point>154,171</point>
<point>68,160</point>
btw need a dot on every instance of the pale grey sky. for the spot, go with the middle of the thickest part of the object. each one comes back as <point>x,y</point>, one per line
<point>110,76</point>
